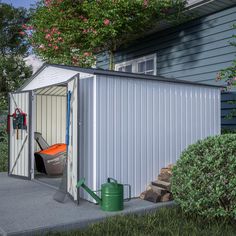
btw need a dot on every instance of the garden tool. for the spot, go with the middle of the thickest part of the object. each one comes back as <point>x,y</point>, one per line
<point>112,194</point>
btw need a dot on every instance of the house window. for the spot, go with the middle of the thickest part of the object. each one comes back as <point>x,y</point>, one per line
<point>142,65</point>
<point>125,68</point>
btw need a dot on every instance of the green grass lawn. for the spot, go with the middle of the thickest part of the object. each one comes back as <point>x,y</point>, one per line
<point>166,222</point>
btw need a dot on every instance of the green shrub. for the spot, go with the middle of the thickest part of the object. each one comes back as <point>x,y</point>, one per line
<point>3,142</point>
<point>204,179</point>
<point>228,131</point>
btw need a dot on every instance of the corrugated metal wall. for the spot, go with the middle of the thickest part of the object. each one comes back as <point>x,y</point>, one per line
<point>51,118</point>
<point>87,164</point>
<point>22,163</point>
<point>141,126</point>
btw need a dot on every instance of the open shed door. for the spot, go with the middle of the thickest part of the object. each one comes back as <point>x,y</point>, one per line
<point>20,143</point>
<point>73,147</point>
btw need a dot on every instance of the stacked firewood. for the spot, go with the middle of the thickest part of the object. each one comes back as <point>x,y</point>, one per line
<point>159,190</point>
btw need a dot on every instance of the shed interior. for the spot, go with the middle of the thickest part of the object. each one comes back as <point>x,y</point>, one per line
<point>50,120</point>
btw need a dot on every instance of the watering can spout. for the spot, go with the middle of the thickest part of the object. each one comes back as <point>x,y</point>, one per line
<point>89,191</point>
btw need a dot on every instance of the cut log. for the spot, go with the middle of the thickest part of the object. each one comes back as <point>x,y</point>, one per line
<point>142,195</point>
<point>162,184</point>
<point>148,187</point>
<point>151,196</point>
<point>157,189</point>
<point>166,170</point>
<point>170,166</point>
<point>164,177</point>
<point>166,197</point>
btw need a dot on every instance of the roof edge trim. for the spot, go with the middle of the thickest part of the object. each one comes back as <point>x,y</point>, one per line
<point>95,71</point>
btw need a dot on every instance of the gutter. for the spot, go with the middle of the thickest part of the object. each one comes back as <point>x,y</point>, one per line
<point>197,3</point>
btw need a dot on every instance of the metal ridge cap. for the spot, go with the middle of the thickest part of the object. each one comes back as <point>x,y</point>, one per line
<point>96,71</point>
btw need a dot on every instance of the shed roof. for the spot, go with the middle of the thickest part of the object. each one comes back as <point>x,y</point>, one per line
<point>48,76</point>
<point>53,74</point>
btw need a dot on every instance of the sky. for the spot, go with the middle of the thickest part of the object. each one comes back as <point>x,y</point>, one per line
<point>19,3</point>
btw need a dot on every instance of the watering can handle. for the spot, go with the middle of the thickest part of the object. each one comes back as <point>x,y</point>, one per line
<point>129,186</point>
<point>109,180</point>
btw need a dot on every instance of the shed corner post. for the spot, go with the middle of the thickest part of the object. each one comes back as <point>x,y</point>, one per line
<point>78,133</point>
<point>31,134</point>
<point>94,132</point>
<point>9,133</point>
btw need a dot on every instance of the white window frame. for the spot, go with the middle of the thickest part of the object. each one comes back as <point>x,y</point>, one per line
<point>135,62</point>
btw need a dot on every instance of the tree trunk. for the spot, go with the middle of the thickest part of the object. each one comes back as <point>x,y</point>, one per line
<point>111,60</point>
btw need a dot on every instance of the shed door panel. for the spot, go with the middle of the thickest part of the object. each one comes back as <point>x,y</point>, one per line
<point>72,164</point>
<point>19,144</point>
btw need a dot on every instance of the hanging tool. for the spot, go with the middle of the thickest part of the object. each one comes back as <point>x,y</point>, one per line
<point>19,121</point>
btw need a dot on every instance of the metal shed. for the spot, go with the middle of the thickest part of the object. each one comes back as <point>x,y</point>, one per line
<point>123,125</point>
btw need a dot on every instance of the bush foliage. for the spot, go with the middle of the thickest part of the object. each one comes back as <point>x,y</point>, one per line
<point>73,32</point>
<point>13,48</point>
<point>204,179</point>
<point>229,74</point>
<point>228,131</point>
<point>3,142</point>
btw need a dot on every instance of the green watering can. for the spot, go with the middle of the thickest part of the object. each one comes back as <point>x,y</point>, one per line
<point>112,194</point>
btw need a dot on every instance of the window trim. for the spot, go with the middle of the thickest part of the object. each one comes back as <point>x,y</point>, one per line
<point>134,63</point>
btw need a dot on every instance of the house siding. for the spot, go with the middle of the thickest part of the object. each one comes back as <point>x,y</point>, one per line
<point>194,51</point>
<point>228,107</point>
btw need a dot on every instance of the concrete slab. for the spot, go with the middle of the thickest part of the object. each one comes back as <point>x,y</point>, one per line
<point>27,208</point>
<point>52,181</point>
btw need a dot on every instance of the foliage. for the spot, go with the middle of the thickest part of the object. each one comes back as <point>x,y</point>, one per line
<point>13,72</point>
<point>13,47</point>
<point>165,221</point>
<point>3,142</point>
<point>229,74</point>
<point>72,32</point>
<point>228,131</point>
<point>12,38</point>
<point>204,179</point>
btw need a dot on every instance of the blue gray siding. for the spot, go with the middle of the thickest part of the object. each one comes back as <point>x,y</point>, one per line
<point>194,51</point>
<point>228,108</point>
